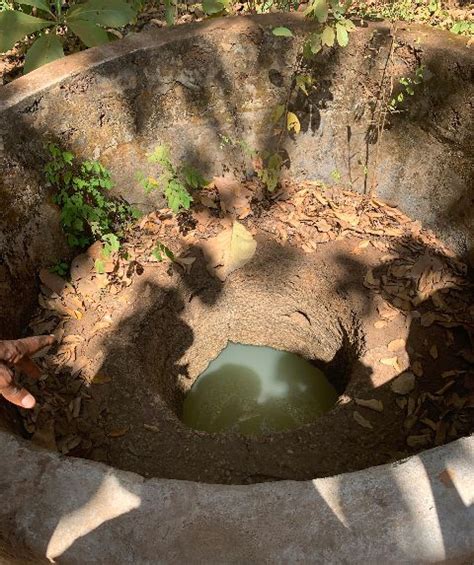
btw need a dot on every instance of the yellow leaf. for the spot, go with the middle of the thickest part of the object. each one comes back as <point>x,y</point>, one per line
<point>391,362</point>
<point>396,344</point>
<point>233,248</point>
<point>293,123</point>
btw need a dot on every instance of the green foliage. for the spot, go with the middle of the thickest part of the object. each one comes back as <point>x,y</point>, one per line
<point>5,5</point>
<point>282,32</point>
<point>88,213</point>
<point>61,268</point>
<point>175,183</point>
<point>269,173</point>
<point>87,20</point>
<point>161,251</point>
<point>214,7</point>
<point>408,88</point>
<point>304,83</point>
<point>463,27</point>
<point>426,11</point>
<point>406,10</point>
<point>335,26</point>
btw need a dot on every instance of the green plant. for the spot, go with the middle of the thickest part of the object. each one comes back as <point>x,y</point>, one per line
<point>61,268</point>
<point>408,89</point>
<point>267,164</point>
<point>87,20</point>
<point>5,5</point>
<point>176,183</point>
<point>463,27</point>
<point>88,213</point>
<point>161,251</point>
<point>336,28</point>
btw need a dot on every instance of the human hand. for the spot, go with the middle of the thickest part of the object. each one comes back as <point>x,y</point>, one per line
<point>16,353</point>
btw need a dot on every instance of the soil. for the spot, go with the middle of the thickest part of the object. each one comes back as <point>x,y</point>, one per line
<point>350,283</point>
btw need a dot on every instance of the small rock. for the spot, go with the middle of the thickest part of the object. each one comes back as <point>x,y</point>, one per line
<point>403,384</point>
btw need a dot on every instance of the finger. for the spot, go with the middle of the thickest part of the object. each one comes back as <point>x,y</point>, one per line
<point>6,376</point>
<point>19,396</point>
<point>30,368</point>
<point>9,351</point>
<point>30,345</point>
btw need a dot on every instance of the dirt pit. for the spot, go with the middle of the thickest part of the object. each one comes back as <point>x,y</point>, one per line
<point>351,284</point>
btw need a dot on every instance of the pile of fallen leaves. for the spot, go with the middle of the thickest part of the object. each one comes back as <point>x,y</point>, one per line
<point>418,274</point>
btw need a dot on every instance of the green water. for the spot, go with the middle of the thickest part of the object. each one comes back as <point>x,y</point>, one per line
<point>254,390</point>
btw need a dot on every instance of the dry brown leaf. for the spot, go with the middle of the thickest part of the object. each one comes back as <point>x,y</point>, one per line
<point>429,318</point>
<point>101,325</point>
<point>417,368</point>
<point>422,440</point>
<point>357,250</point>
<point>207,201</point>
<point>101,379</point>
<point>233,248</point>
<point>396,345</point>
<point>151,428</point>
<point>391,362</point>
<point>72,338</point>
<point>403,384</point>
<point>118,432</point>
<point>234,196</point>
<point>370,281</point>
<point>452,373</point>
<point>434,352</point>
<point>386,311</point>
<point>372,404</point>
<point>45,436</point>
<point>361,420</point>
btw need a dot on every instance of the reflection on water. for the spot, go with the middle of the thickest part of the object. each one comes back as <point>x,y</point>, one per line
<point>254,390</point>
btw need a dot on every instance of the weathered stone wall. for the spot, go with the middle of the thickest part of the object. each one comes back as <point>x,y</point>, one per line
<point>186,86</point>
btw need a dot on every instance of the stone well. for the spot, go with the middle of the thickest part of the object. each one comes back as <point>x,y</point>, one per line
<point>184,87</point>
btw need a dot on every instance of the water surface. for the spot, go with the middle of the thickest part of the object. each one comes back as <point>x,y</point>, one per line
<point>254,390</point>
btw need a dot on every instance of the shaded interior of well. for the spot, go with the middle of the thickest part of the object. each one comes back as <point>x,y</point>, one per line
<point>167,326</point>
<point>118,397</point>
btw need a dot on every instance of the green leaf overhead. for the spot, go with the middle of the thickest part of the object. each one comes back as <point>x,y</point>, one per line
<point>282,32</point>
<point>113,13</point>
<point>89,33</point>
<point>45,49</point>
<point>328,36</point>
<point>40,4</point>
<point>170,12</point>
<point>15,25</point>
<point>342,35</point>
<point>211,7</point>
<point>320,9</point>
